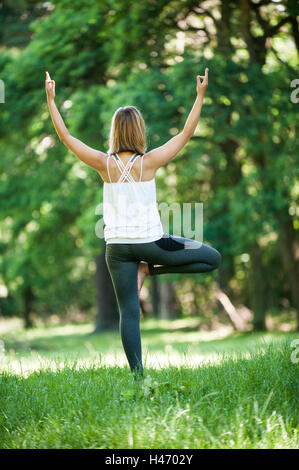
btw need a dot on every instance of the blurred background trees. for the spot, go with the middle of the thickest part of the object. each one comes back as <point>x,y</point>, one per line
<point>241,163</point>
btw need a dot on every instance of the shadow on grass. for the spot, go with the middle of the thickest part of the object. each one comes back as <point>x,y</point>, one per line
<point>156,339</point>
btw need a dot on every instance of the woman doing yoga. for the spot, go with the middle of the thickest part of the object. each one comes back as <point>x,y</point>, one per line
<point>135,240</point>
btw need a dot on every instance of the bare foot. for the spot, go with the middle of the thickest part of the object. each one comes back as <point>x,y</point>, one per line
<point>141,275</point>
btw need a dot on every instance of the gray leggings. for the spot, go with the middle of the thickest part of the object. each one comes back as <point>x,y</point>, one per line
<point>174,255</point>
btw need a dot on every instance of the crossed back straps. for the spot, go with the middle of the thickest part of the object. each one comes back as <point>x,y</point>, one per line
<point>125,169</point>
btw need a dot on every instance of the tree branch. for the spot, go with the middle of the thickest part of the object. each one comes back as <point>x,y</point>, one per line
<point>295,32</point>
<point>260,4</point>
<point>200,11</point>
<point>269,31</point>
<point>291,69</point>
<point>192,28</point>
<point>272,30</point>
<point>263,23</point>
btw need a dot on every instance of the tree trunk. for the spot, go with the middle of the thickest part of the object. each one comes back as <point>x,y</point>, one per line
<point>257,289</point>
<point>226,272</point>
<point>107,309</point>
<point>290,254</point>
<point>224,29</point>
<point>155,296</point>
<point>169,306</point>
<point>256,45</point>
<point>28,303</point>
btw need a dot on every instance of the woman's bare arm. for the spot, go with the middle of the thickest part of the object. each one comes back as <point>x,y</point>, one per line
<point>92,157</point>
<point>161,155</point>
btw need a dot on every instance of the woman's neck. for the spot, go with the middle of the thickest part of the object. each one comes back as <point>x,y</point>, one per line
<point>125,153</point>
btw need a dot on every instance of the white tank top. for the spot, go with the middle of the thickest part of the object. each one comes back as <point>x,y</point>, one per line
<point>130,209</point>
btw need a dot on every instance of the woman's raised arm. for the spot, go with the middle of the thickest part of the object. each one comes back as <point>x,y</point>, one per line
<point>161,155</point>
<point>92,157</point>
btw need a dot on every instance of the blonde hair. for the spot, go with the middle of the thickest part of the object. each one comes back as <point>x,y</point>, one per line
<point>127,132</point>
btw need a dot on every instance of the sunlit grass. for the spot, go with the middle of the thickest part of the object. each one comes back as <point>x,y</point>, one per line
<point>64,387</point>
<point>165,343</point>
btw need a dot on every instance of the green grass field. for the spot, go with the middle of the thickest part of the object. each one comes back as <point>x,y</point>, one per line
<point>63,387</point>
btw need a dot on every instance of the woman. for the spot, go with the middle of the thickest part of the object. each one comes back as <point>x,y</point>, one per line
<point>135,242</point>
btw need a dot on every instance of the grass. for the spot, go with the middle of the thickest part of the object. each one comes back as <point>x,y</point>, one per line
<point>63,387</point>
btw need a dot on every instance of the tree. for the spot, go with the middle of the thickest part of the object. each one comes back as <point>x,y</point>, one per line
<point>242,161</point>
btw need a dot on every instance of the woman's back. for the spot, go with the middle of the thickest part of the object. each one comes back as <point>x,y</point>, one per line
<point>141,166</point>
<point>130,207</point>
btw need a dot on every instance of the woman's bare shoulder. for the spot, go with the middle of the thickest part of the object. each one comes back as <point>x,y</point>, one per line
<point>148,165</point>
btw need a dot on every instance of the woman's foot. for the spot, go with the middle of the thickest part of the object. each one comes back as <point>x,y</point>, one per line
<point>143,271</point>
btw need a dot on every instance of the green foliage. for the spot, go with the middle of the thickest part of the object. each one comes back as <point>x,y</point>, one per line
<point>241,163</point>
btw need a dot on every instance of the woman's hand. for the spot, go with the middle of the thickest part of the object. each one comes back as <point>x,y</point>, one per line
<point>202,86</point>
<point>50,87</point>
